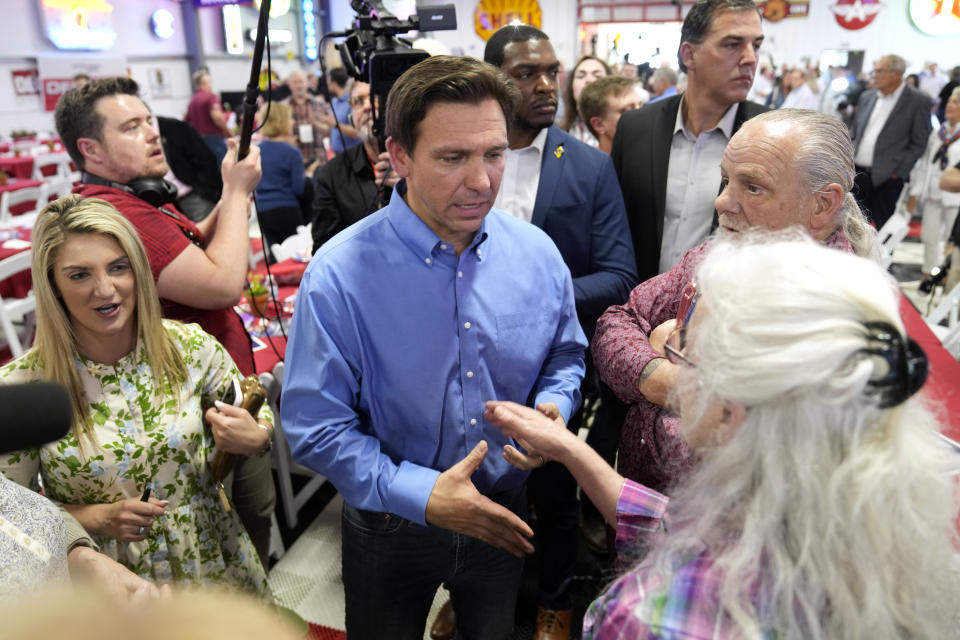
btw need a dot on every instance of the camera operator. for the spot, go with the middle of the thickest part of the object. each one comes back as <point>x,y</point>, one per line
<point>347,187</point>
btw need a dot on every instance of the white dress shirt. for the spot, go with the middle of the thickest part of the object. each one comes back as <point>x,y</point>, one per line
<point>878,117</point>
<point>521,178</point>
<point>801,97</point>
<point>693,182</point>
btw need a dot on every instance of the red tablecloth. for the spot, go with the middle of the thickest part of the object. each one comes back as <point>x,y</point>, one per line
<point>17,167</point>
<point>17,285</point>
<point>22,167</point>
<point>943,382</point>
<point>17,184</point>
<point>266,335</point>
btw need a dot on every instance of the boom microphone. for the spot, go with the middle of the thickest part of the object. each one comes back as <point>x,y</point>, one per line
<point>33,414</point>
<point>249,107</point>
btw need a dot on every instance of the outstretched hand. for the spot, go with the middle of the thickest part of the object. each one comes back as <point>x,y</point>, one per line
<point>455,504</point>
<point>542,432</point>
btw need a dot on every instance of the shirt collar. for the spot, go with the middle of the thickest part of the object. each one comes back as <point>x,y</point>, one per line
<point>415,233</point>
<point>538,143</point>
<point>725,125</point>
<point>893,96</point>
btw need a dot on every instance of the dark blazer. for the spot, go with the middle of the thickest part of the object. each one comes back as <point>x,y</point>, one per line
<point>641,153</point>
<point>190,158</point>
<point>903,137</point>
<point>580,207</point>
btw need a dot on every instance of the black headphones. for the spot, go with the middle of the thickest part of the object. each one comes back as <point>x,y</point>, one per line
<point>154,191</point>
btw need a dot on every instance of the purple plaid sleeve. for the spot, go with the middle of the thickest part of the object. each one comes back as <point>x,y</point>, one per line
<point>637,606</point>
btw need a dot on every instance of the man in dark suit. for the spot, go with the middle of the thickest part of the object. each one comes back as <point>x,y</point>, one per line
<point>667,154</point>
<point>569,190</point>
<point>890,131</point>
<point>193,165</point>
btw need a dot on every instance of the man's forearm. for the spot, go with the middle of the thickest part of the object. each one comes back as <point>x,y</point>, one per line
<point>229,238</point>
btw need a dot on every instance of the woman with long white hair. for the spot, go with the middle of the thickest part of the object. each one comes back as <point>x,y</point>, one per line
<point>821,504</point>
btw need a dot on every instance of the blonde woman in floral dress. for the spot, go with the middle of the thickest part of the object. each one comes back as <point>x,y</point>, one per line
<point>141,388</point>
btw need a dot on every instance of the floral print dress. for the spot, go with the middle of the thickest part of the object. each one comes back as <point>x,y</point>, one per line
<point>145,440</point>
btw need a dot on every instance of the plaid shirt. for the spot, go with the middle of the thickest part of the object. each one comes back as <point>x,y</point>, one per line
<point>305,113</point>
<point>686,610</point>
<point>652,451</point>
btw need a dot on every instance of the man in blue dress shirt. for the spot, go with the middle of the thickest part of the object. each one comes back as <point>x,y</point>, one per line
<point>406,323</point>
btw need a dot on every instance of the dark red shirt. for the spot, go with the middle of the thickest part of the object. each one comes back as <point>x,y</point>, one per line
<point>163,237</point>
<point>198,112</point>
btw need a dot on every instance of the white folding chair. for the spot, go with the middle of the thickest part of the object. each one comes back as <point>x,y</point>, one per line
<point>17,309</point>
<point>10,199</point>
<point>283,462</point>
<point>949,310</point>
<point>297,244</point>
<point>41,162</point>
<point>57,187</point>
<point>890,235</point>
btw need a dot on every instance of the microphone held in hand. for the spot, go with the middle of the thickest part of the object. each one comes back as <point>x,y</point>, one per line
<point>33,414</point>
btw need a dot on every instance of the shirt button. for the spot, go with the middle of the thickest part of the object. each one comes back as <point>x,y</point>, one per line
<point>466,325</point>
<point>443,246</point>
<point>473,421</point>
<point>642,441</point>
<point>459,274</point>
<point>427,260</point>
<point>469,374</point>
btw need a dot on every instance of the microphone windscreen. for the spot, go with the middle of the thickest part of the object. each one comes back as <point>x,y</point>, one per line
<point>33,414</point>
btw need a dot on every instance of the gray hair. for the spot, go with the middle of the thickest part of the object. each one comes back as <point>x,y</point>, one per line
<point>200,76</point>
<point>700,18</point>
<point>666,74</point>
<point>897,64</point>
<point>793,506</point>
<point>825,156</point>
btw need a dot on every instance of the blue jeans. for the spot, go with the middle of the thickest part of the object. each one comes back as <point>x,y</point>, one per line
<point>392,568</point>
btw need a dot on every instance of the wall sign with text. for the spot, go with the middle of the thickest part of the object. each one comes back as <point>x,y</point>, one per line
<point>490,15</point>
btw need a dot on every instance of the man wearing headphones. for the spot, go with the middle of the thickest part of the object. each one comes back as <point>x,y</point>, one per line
<point>200,269</point>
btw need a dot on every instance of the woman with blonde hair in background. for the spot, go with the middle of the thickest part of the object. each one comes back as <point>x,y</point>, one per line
<point>821,505</point>
<point>134,471</point>
<point>284,195</point>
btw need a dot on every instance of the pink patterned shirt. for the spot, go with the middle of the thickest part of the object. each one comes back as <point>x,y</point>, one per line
<point>652,451</point>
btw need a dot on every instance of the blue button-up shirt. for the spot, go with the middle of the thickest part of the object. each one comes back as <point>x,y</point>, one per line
<point>397,342</point>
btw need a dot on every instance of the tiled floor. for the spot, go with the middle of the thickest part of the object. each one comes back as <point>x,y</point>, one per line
<point>307,579</point>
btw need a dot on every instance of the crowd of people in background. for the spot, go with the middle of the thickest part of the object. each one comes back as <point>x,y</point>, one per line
<point>525,252</point>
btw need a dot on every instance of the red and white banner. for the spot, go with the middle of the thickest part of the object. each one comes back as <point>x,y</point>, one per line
<point>25,82</point>
<point>57,73</point>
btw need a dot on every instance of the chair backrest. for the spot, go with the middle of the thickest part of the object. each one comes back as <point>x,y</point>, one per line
<point>57,188</point>
<point>890,235</point>
<point>42,163</point>
<point>10,200</point>
<point>18,307</point>
<point>949,309</point>
<point>297,244</point>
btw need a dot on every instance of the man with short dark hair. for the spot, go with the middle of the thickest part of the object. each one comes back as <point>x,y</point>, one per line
<point>569,190</point>
<point>601,106</point>
<point>890,131</point>
<point>406,323</point>
<point>200,269</point>
<point>667,155</point>
<point>343,134</point>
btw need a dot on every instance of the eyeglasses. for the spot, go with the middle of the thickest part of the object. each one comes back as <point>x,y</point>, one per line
<point>677,340</point>
<point>882,71</point>
<point>358,101</point>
